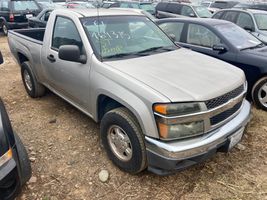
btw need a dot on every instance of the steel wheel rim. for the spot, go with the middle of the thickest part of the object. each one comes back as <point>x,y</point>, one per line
<point>27,80</point>
<point>262,95</point>
<point>120,143</point>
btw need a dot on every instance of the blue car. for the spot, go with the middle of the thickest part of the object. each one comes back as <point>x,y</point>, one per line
<point>228,42</point>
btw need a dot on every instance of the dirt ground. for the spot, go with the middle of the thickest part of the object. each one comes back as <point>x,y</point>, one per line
<point>67,157</point>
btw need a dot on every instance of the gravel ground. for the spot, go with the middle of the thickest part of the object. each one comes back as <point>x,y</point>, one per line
<point>66,156</point>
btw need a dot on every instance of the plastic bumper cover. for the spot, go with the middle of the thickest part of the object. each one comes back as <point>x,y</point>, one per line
<point>167,157</point>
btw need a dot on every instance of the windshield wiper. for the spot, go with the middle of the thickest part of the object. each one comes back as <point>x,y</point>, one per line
<point>157,48</point>
<point>254,47</point>
<point>119,55</point>
<point>139,53</point>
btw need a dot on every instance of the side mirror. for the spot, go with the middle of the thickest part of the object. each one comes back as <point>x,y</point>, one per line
<point>192,15</point>
<point>71,53</point>
<point>1,58</point>
<point>249,28</point>
<point>221,48</point>
<point>172,37</point>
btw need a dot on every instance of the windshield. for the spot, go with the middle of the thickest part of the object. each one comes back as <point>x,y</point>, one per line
<point>147,7</point>
<point>237,36</point>
<point>24,5</point>
<point>261,20</point>
<point>220,5</point>
<point>202,11</point>
<point>118,37</point>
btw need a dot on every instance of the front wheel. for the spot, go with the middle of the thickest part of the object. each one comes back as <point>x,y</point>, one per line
<point>259,93</point>
<point>123,140</point>
<point>24,162</point>
<point>4,28</point>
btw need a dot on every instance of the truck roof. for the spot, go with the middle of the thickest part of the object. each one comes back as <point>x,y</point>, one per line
<point>100,12</point>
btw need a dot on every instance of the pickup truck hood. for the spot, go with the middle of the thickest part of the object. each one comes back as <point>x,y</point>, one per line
<point>182,75</point>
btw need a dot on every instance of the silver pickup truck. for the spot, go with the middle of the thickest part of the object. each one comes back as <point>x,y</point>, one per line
<point>160,106</point>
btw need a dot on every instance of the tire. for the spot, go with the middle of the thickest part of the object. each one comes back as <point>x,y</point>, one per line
<point>123,120</point>
<point>32,86</point>
<point>5,28</point>
<point>259,94</point>
<point>25,165</point>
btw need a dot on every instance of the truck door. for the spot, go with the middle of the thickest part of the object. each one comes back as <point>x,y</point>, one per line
<point>68,79</point>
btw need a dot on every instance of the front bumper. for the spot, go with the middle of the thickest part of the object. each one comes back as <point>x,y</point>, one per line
<point>167,157</point>
<point>9,180</point>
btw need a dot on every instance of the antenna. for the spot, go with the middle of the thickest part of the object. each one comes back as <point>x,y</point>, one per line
<point>99,37</point>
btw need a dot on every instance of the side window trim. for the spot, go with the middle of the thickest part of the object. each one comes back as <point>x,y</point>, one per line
<point>56,49</point>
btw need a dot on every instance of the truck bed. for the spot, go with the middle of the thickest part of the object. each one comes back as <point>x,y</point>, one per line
<point>34,35</point>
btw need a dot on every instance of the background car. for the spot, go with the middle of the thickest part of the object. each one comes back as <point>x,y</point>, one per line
<point>173,9</point>
<point>254,21</point>
<point>15,14</point>
<point>147,14</point>
<point>228,42</point>
<point>15,168</point>
<point>146,6</point>
<point>46,4</point>
<point>107,4</point>
<point>255,6</point>
<point>79,4</point>
<point>218,5</point>
<point>243,5</point>
<point>206,3</point>
<point>41,19</point>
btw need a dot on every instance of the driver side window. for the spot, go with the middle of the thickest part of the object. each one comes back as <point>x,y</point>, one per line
<point>245,21</point>
<point>187,11</point>
<point>201,36</point>
<point>65,33</point>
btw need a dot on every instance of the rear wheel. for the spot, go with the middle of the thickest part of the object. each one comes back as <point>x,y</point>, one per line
<point>32,86</point>
<point>123,140</point>
<point>259,93</point>
<point>5,28</point>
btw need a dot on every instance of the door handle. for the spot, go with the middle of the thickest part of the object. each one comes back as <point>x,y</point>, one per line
<point>51,58</point>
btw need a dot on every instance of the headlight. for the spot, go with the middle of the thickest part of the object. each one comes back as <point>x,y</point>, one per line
<point>177,109</point>
<point>170,117</point>
<point>6,157</point>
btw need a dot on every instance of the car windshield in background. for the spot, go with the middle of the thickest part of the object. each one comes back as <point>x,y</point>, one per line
<point>147,7</point>
<point>133,5</point>
<point>205,4</point>
<point>202,11</point>
<point>261,20</point>
<point>240,38</point>
<point>24,5</point>
<point>220,5</point>
<point>128,36</point>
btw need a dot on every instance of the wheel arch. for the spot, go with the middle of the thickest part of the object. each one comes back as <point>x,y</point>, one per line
<point>107,101</point>
<point>22,58</point>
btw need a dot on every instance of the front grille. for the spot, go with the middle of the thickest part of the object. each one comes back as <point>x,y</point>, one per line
<point>224,115</point>
<point>213,103</point>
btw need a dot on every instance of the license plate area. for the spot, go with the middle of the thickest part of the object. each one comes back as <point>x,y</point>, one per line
<point>235,138</point>
<point>29,16</point>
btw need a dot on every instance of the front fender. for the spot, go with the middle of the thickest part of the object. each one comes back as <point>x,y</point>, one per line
<point>134,95</point>
<point>138,107</point>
